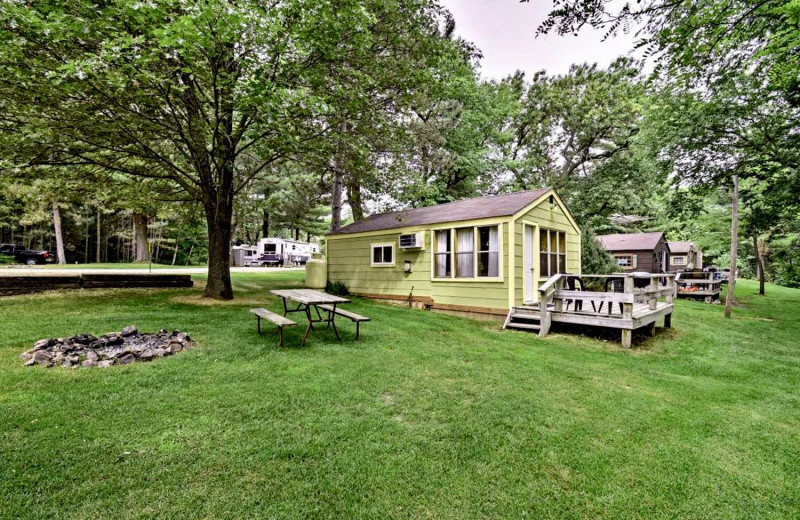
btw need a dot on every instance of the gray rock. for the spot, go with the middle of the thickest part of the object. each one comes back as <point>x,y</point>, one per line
<point>105,363</point>
<point>42,356</point>
<point>89,363</point>
<point>91,355</point>
<point>130,330</point>
<point>147,354</point>
<point>25,356</point>
<point>175,347</point>
<point>30,362</point>
<point>42,343</point>
<point>127,359</point>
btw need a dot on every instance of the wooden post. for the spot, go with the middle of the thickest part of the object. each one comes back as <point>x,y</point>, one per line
<point>668,321</point>
<point>652,302</point>
<point>673,287</point>
<point>559,302</point>
<point>627,313</point>
<point>651,329</point>
<point>627,336</point>
<point>544,318</point>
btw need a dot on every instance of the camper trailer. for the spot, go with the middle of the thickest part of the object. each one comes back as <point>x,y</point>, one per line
<point>274,252</point>
<point>244,255</point>
<point>280,251</point>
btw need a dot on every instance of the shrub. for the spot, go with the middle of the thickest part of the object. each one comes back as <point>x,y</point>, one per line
<point>595,259</point>
<point>337,288</point>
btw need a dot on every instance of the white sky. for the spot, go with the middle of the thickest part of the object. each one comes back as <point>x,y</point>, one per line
<point>504,31</point>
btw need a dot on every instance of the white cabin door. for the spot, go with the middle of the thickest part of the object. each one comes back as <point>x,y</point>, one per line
<point>528,263</point>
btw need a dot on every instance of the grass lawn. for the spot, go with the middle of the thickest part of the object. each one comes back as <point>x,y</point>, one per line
<point>429,416</point>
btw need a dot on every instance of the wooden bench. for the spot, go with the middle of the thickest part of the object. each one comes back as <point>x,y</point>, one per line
<point>277,319</point>
<point>352,316</point>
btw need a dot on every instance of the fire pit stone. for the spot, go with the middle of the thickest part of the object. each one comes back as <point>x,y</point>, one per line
<point>123,348</point>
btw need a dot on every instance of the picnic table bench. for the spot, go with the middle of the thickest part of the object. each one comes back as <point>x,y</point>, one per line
<point>352,316</point>
<point>277,319</point>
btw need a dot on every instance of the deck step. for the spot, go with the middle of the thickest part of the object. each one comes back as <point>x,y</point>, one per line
<point>525,316</point>
<point>523,326</point>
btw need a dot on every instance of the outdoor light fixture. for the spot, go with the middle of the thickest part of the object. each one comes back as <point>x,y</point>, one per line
<point>552,201</point>
<point>407,266</point>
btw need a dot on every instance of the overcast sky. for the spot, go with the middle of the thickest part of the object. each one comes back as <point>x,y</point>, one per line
<point>504,31</point>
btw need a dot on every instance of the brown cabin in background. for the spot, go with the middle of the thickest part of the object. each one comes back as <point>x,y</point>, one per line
<point>648,252</point>
<point>684,255</point>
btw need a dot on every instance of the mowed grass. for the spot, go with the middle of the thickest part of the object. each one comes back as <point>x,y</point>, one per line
<point>429,416</point>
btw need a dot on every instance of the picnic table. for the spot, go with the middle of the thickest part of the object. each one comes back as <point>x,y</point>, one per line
<point>305,300</point>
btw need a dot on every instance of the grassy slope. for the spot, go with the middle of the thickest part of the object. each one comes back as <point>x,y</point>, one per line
<point>428,416</point>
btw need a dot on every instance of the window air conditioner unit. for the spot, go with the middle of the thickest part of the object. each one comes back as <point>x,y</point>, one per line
<point>412,241</point>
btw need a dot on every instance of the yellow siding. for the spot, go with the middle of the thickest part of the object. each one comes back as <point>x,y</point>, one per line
<point>546,218</point>
<point>487,294</point>
<point>349,261</point>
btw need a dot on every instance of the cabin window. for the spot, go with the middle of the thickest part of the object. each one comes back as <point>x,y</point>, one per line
<point>488,251</point>
<point>678,260</point>
<point>465,253</point>
<point>552,252</point>
<point>382,255</point>
<point>443,260</point>
<point>624,260</point>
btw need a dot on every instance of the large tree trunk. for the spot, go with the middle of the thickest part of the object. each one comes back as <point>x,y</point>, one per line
<point>140,246</point>
<point>336,197</point>
<point>59,234</point>
<point>759,264</point>
<point>354,198</point>
<point>729,300</point>
<point>219,218</point>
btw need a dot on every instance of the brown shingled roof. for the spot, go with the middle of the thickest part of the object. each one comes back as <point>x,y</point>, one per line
<point>481,207</point>
<point>680,247</point>
<point>631,241</point>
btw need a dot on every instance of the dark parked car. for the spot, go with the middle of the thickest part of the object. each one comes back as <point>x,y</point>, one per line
<point>25,256</point>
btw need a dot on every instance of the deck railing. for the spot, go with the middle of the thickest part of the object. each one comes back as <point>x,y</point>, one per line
<point>705,286</point>
<point>552,294</point>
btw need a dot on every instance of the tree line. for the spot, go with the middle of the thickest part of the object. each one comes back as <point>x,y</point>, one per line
<point>239,120</point>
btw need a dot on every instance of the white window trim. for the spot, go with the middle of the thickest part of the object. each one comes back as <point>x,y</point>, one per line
<point>434,253</point>
<point>682,258</point>
<point>382,264</point>
<point>475,278</point>
<point>629,257</point>
<point>558,232</point>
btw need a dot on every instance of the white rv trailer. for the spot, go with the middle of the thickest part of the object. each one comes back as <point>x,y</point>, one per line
<point>285,251</point>
<point>274,251</point>
<point>244,255</point>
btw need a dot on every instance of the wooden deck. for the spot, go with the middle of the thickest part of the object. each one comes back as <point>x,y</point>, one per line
<point>690,285</point>
<point>628,310</point>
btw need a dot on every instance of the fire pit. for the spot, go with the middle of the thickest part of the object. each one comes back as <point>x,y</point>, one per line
<point>114,348</point>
